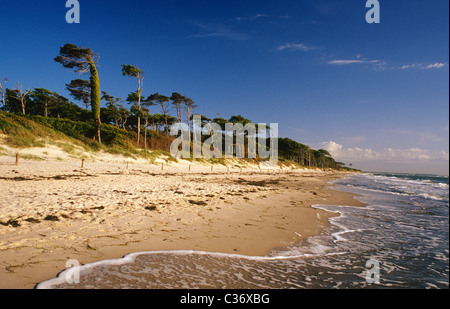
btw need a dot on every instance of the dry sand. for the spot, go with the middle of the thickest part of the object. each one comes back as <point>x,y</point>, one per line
<point>51,212</point>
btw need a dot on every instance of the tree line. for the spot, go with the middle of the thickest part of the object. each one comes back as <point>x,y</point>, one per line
<point>306,156</point>
<point>41,101</point>
<point>140,115</point>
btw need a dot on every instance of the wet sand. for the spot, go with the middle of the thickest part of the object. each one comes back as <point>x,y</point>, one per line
<point>52,212</point>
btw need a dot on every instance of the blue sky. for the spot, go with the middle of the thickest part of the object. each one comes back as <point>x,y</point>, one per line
<point>375,95</point>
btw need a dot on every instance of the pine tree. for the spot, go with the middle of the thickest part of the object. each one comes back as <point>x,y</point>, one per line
<point>83,61</point>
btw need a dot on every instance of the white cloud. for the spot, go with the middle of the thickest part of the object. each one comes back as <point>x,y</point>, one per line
<point>444,155</point>
<point>376,64</point>
<point>339,152</point>
<point>409,66</point>
<point>437,65</point>
<point>380,64</point>
<point>295,46</point>
<point>332,147</point>
<point>344,62</point>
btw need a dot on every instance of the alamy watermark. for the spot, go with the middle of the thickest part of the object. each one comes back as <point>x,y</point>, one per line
<point>73,15</point>
<point>373,15</point>
<point>72,274</point>
<point>373,274</point>
<point>236,135</point>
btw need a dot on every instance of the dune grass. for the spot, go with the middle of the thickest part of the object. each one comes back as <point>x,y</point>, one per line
<point>75,137</point>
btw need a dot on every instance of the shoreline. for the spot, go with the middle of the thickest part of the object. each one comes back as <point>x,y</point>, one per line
<point>57,212</point>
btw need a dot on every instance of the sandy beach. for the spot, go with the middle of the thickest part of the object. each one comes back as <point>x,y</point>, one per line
<point>53,211</point>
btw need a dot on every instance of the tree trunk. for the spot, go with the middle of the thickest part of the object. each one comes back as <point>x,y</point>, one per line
<point>23,105</point>
<point>189,122</point>
<point>167,125</point>
<point>145,137</point>
<point>2,92</point>
<point>179,113</point>
<point>139,107</point>
<point>139,129</point>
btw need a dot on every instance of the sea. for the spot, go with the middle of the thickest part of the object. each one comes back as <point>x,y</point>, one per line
<point>400,239</point>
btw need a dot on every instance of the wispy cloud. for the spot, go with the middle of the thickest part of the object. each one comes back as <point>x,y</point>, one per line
<point>377,64</point>
<point>345,62</point>
<point>388,154</point>
<point>437,65</point>
<point>251,18</point>
<point>214,30</point>
<point>295,46</point>
<point>382,65</point>
<point>407,66</point>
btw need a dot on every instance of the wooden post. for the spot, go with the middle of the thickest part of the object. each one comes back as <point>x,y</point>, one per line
<point>17,158</point>
<point>162,166</point>
<point>82,163</point>
<point>212,168</point>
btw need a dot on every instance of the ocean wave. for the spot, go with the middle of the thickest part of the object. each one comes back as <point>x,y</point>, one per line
<point>315,249</point>
<point>423,188</point>
<point>433,197</point>
<point>84,270</point>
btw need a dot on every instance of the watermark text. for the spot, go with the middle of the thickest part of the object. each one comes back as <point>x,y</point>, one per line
<point>373,15</point>
<point>249,140</point>
<point>73,15</point>
<point>373,274</point>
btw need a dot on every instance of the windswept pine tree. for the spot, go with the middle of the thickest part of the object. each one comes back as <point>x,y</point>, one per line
<point>164,103</point>
<point>135,72</point>
<point>83,60</point>
<point>177,100</point>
